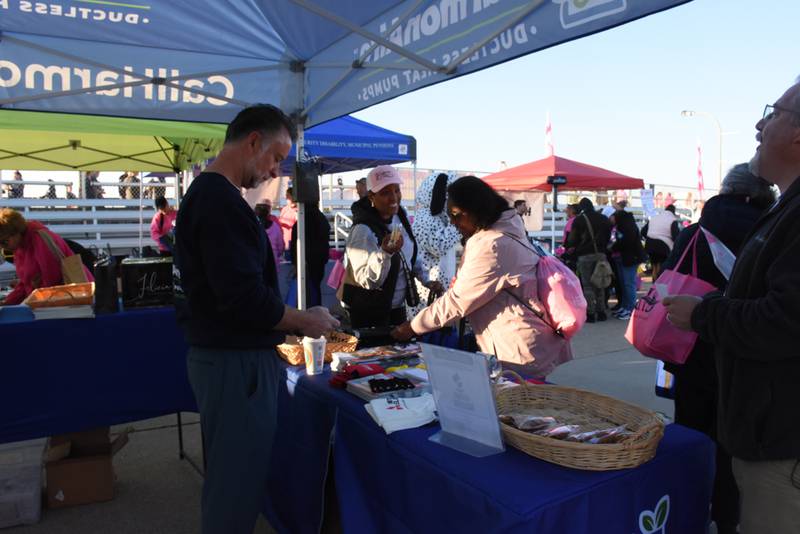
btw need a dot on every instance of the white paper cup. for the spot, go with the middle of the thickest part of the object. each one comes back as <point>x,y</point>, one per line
<point>314,351</point>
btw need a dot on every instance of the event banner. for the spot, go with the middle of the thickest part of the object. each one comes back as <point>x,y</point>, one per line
<point>202,60</point>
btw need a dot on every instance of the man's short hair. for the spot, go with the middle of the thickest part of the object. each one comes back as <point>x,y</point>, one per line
<point>518,203</point>
<point>264,118</point>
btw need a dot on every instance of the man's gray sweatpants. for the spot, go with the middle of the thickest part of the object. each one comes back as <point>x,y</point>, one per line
<point>236,392</point>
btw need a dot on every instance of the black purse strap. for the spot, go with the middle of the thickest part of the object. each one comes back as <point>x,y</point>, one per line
<point>591,233</point>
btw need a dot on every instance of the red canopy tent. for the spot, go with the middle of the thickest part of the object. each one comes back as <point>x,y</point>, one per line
<point>580,177</point>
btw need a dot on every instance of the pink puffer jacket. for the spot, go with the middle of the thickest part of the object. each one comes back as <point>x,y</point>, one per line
<point>493,262</point>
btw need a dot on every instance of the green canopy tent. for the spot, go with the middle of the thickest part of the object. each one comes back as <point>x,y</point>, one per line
<point>54,141</point>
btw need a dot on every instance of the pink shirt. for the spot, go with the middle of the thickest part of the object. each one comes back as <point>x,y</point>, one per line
<point>36,264</point>
<point>161,225</point>
<point>287,219</point>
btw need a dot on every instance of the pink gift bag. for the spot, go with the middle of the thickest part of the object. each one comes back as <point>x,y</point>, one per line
<point>648,328</point>
<point>336,276</point>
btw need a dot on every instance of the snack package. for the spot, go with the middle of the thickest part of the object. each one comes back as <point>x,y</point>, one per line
<point>558,431</point>
<point>528,423</point>
<point>605,435</point>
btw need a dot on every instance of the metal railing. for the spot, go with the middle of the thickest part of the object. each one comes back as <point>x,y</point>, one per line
<point>341,226</point>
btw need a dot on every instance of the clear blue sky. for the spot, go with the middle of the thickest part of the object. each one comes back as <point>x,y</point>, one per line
<point>615,97</point>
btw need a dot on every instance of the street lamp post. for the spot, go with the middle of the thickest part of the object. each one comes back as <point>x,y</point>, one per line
<point>690,113</point>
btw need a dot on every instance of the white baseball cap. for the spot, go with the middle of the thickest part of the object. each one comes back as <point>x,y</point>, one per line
<point>381,176</point>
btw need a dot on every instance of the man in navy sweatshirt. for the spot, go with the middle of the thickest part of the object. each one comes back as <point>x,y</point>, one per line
<point>753,327</point>
<point>232,315</point>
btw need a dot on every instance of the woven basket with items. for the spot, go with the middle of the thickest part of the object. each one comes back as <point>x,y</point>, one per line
<point>291,350</point>
<point>593,431</point>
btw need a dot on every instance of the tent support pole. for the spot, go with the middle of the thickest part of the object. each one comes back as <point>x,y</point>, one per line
<point>355,28</point>
<point>141,215</point>
<point>414,181</point>
<point>301,230</point>
<point>553,220</point>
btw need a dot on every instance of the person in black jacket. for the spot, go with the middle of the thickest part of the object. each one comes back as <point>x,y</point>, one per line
<point>628,254</point>
<point>729,217</point>
<point>318,233</point>
<point>753,328</point>
<point>228,304</point>
<point>590,223</point>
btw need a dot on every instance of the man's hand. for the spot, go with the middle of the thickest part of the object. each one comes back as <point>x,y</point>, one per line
<point>389,247</point>
<point>679,310</point>
<point>403,332</point>
<point>317,321</point>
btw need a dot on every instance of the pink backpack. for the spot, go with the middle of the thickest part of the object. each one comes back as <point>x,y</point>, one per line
<point>562,296</point>
<point>560,293</point>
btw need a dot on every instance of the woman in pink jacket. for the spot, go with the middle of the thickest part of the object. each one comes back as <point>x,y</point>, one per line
<point>36,265</point>
<point>495,288</point>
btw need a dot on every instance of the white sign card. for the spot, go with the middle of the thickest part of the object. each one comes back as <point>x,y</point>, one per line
<point>464,400</point>
<point>648,204</point>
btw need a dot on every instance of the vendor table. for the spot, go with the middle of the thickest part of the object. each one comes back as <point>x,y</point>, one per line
<point>405,483</point>
<point>68,375</point>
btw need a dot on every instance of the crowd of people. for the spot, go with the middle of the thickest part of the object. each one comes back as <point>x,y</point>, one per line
<point>401,276</point>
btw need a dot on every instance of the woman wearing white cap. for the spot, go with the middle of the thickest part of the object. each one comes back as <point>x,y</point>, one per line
<point>381,256</point>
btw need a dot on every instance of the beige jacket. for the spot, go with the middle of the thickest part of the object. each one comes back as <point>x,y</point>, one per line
<point>491,263</point>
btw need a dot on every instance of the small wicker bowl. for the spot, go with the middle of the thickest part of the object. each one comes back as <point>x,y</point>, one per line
<point>591,411</point>
<point>291,350</point>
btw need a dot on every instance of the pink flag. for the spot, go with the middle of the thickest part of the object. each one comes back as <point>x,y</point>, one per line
<point>700,187</point>
<point>548,137</point>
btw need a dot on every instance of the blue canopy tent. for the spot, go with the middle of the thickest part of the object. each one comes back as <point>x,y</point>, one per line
<point>201,60</point>
<point>347,144</point>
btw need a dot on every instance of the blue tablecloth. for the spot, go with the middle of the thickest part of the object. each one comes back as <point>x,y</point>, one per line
<point>405,483</point>
<point>69,375</point>
<point>75,374</point>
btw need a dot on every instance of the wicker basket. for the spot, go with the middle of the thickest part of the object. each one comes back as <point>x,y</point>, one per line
<point>292,349</point>
<point>591,411</point>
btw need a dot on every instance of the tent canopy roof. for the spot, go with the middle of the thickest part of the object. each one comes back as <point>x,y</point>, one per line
<point>57,141</point>
<point>202,60</point>
<point>580,177</point>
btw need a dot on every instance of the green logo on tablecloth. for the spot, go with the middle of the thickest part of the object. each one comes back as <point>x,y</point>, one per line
<point>656,521</point>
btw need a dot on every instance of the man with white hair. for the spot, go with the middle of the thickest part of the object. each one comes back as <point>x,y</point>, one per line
<point>753,328</point>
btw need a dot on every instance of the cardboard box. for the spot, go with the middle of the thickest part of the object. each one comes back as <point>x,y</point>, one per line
<point>83,472</point>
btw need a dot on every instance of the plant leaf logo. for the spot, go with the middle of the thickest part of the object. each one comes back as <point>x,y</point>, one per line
<point>656,521</point>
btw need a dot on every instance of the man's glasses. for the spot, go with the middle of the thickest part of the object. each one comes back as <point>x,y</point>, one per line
<point>770,109</point>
